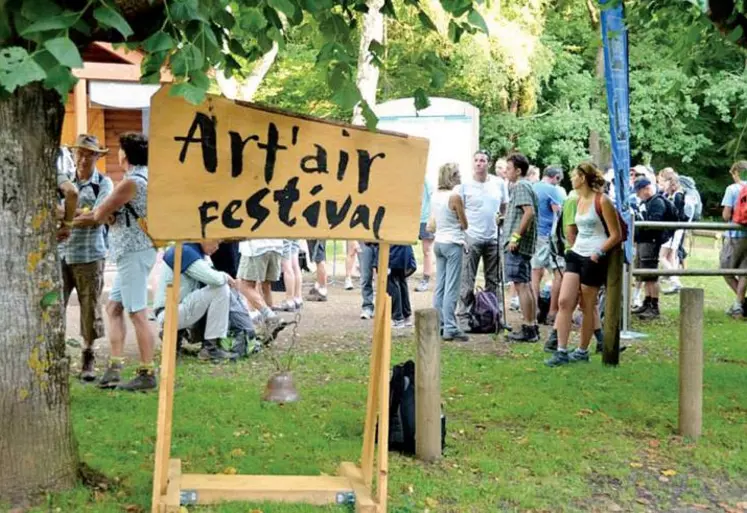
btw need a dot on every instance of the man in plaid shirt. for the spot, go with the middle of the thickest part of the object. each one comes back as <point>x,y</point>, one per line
<point>84,253</point>
<point>520,239</point>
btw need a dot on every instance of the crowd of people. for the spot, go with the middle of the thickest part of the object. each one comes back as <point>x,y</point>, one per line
<point>522,227</point>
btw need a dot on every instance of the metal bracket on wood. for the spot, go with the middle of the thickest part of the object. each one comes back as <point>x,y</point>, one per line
<point>345,498</point>
<point>188,497</point>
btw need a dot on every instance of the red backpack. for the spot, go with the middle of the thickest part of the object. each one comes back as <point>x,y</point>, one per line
<point>623,224</point>
<point>739,214</point>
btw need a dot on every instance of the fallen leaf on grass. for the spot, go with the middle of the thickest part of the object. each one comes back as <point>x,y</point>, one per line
<point>134,508</point>
<point>635,464</point>
<point>237,453</point>
<point>256,511</point>
<point>669,473</point>
<point>584,412</point>
<point>410,489</point>
<point>654,444</point>
<point>663,479</point>
<point>431,503</point>
<point>229,471</point>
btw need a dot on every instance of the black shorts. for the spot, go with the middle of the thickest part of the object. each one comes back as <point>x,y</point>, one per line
<point>647,257</point>
<point>592,274</point>
<point>518,267</point>
<point>317,250</point>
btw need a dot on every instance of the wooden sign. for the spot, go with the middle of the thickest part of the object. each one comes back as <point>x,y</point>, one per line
<point>229,170</point>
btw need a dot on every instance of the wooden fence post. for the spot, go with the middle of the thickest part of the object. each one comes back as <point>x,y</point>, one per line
<point>691,363</point>
<point>613,308</point>
<point>427,386</point>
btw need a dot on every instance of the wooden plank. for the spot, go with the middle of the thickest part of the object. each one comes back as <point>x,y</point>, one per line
<point>613,308</point>
<point>81,108</point>
<point>170,500</point>
<point>382,485</point>
<point>318,490</point>
<point>166,386</point>
<point>369,429</point>
<point>364,502</point>
<point>427,386</point>
<point>108,71</point>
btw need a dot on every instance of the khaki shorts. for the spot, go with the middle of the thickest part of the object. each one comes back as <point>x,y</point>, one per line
<point>734,253</point>
<point>265,267</point>
<point>543,258</point>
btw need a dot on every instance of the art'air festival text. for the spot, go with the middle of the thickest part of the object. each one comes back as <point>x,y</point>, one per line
<point>293,205</point>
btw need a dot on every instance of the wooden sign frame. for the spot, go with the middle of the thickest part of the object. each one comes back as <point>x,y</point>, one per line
<point>171,488</point>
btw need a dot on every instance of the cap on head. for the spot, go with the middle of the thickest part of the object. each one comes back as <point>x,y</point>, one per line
<point>641,183</point>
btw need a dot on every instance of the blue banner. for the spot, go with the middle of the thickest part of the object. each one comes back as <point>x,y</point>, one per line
<point>615,43</point>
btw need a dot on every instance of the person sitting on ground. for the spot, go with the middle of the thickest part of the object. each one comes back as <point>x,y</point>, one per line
<point>449,222</point>
<point>734,250</point>
<point>586,262</point>
<point>258,269</point>
<point>203,292</point>
<point>653,207</point>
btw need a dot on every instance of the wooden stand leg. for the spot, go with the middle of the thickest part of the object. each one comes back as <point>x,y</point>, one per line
<point>166,386</point>
<point>380,326</point>
<point>427,386</point>
<point>382,485</point>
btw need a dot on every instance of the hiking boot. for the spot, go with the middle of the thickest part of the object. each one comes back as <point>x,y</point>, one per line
<point>527,334</point>
<point>367,314</point>
<point>144,380</point>
<point>558,358</point>
<point>112,376</point>
<point>87,368</point>
<point>552,342</point>
<point>422,286</point>
<point>211,351</point>
<point>315,295</point>
<point>456,337</point>
<point>577,355</point>
<point>652,312</point>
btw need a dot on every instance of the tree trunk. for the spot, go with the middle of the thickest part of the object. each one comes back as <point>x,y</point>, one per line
<point>233,89</point>
<point>37,449</point>
<point>367,79</point>
<point>595,142</point>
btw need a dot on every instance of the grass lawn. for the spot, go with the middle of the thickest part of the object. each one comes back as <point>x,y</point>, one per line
<point>521,437</point>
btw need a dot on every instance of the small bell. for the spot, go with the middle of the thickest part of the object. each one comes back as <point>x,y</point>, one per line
<point>280,389</point>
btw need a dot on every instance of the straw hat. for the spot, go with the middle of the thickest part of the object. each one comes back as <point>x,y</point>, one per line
<point>90,143</point>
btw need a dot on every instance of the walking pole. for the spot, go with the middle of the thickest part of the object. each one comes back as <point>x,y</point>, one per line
<point>503,326</point>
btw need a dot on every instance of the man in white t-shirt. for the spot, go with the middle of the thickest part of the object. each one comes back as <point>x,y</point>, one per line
<point>484,197</point>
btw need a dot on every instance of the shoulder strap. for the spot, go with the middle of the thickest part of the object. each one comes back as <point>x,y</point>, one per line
<point>600,213</point>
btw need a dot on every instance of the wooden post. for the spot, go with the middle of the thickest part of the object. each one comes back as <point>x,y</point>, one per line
<point>613,308</point>
<point>81,108</point>
<point>427,386</point>
<point>382,484</point>
<point>691,363</point>
<point>369,429</point>
<point>166,386</point>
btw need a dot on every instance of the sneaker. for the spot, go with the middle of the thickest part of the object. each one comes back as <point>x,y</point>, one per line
<point>550,320</point>
<point>552,342</point>
<point>288,306</point>
<point>672,290</point>
<point>315,295</point>
<point>515,306</point>
<point>578,356</point>
<point>735,310</point>
<point>422,286</point>
<point>143,381</point>
<point>408,322</point>
<point>558,358</point>
<point>211,351</point>
<point>349,284</point>
<point>112,376</point>
<point>641,307</point>
<point>527,334</point>
<point>87,368</point>
<point>649,314</point>
<point>398,324</point>
<point>456,337</point>
<point>367,314</point>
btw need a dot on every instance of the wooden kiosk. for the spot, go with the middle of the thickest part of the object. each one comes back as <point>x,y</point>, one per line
<point>231,170</point>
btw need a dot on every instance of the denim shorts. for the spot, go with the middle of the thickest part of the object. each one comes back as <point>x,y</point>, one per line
<point>518,267</point>
<point>317,250</point>
<point>290,248</point>
<point>130,286</point>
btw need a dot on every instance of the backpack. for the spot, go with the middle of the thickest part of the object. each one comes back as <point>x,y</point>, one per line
<point>129,210</point>
<point>623,225</point>
<point>671,215</point>
<point>739,214</point>
<point>402,410</point>
<point>484,314</point>
<point>693,202</point>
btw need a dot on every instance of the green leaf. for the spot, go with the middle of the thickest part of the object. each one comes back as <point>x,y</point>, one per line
<point>438,78</point>
<point>159,42</point>
<point>224,18</point>
<point>455,31</point>
<point>64,51</point>
<point>61,22</point>
<point>338,75</point>
<point>189,92</point>
<point>200,80</point>
<point>476,20</point>
<point>186,59</point>
<point>252,20</point>
<point>375,47</point>
<point>40,9</point>
<point>62,80</point>
<point>347,96</point>
<point>388,9</point>
<point>235,47</point>
<point>427,22</point>
<point>736,34</point>
<point>284,6</point>
<point>185,10</point>
<point>17,68</point>
<point>368,114</point>
<point>51,298</point>
<point>421,99</point>
<point>108,17</point>
<point>151,78</point>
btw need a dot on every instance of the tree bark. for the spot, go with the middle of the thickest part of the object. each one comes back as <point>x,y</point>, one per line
<point>37,449</point>
<point>367,78</point>
<point>595,140</point>
<point>233,89</point>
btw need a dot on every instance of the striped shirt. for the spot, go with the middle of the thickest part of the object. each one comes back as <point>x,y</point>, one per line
<point>88,244</point>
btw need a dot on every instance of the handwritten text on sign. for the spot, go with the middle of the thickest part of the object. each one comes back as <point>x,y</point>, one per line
<point>223,170</point>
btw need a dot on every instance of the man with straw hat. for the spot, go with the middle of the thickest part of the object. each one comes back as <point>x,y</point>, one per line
<point>83,254</point>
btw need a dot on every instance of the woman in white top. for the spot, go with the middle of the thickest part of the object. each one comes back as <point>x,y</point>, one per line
<point>449,222</point>
<point>586,262</point>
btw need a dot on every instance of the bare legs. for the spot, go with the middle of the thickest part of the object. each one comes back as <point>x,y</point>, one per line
<point>118,332</point>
